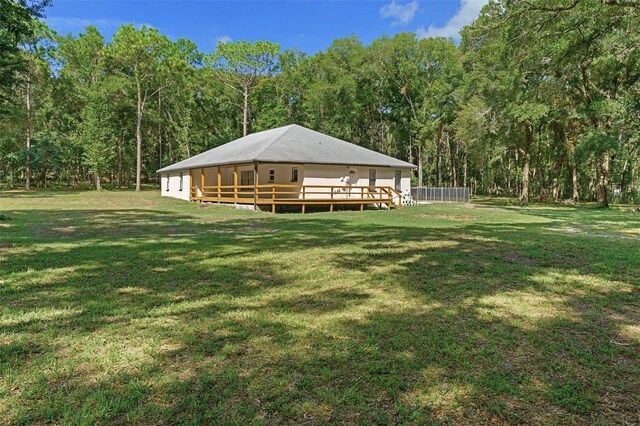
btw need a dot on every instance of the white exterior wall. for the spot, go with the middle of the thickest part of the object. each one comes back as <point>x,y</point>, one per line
<point>282,176</point>
<point>174,184</point>
<point>335,175</point>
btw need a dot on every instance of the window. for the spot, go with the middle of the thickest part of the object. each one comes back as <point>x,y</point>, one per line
<point>372,177</point>
<point>294,174</point>
<point>180,189</point>
<point>398,180</point>
<point>246,177</point>
<point>168,179</point>
<point>272,175</point>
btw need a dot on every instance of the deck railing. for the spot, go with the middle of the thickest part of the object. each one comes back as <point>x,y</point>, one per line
<point>296,194</point>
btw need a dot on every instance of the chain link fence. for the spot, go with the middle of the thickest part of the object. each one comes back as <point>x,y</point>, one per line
<point>440,195</point>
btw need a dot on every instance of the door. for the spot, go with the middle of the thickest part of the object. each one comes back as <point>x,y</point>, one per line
<point>372,177</point>
<point>398,180</point>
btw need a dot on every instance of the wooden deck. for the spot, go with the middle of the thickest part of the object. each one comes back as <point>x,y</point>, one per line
<point>299,195</point>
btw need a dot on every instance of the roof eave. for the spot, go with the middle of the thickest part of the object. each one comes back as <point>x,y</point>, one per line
<point>199,166</point>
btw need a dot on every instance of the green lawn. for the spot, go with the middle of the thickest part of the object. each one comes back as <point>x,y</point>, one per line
<point>118,307</point>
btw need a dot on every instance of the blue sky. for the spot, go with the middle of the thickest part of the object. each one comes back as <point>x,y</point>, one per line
<point>309,26</point>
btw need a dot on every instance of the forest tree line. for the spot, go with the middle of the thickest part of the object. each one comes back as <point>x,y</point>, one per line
<point>540,99</point>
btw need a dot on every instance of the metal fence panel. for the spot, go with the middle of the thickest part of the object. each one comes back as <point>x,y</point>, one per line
<point>440,194</point>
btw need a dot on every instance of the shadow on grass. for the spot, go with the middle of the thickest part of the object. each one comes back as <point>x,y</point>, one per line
<point>314,319</point>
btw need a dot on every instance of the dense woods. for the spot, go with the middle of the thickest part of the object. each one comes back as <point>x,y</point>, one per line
<point>540,100</point>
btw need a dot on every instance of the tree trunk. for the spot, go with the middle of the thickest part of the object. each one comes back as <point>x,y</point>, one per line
<point>98,186</point>
<point>623,176</point>
<point>508,174</point>
<point>170,148</point>
<point>516,184</point>
<point>159,133</point>
<point>602,182</point>
<point>464,172</point>
<point>571,153</point>
<point>555,190</point>
<point>120,154</point>
<point>452,156</point>
<point>139,139</point>
<point>439,155</point>
<point>245,110</point>
<point>574,182</point>
<point>541,176</point>
<point>420,172</point>
<point>528,140</point>
<point>28,138</point>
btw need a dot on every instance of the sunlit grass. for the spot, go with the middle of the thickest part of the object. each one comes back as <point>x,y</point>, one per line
<point>119,307</point>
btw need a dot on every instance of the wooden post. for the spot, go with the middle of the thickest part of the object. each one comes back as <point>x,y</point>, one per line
<point>273,198</point>
<point>219,182</point>
<point>235,183</point>
<point>303,198</point>
<point>331,203</point>
<point>255,186</point>
<point>202,184</point>
<point>192,185</point>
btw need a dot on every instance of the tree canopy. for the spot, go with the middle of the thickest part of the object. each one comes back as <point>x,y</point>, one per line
<point>541,99</point>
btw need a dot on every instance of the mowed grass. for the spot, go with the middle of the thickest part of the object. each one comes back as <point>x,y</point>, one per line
<point>118,307</point>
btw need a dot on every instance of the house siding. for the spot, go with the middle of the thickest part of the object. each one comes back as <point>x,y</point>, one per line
<point>335,175</point>
<point>174,185</point>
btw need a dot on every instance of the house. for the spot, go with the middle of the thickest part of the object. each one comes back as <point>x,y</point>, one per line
<point>289,166</point>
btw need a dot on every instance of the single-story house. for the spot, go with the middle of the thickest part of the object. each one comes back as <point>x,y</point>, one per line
<point>289,166</point>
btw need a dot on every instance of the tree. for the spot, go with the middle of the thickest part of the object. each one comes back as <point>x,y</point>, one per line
<point>83,67</point>
<point>540,98</point>
<point>240,65</point>
<point>17,23</point>
<point>34,78</point>
<point>138,55</point>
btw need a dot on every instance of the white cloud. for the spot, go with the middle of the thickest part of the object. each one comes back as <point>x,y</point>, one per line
<point>223,39</point>
<point>76,25</point>
<point>63,24</point>
<point>402,13</point>
<point>468,11</point>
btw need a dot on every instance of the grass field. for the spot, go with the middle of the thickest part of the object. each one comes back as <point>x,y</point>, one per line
<point>118,307</point>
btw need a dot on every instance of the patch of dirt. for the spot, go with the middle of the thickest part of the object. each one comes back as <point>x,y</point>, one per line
<point>452,217</point>
<point>591,232</point>
<point>519,259</point>
<point>243,229</point>
<point>66,231</point>
<point>6,245</point>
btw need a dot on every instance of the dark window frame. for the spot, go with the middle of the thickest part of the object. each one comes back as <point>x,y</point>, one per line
<point>247,177</point>
<point>181,179</point>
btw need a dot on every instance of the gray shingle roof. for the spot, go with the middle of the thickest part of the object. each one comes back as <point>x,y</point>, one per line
<point>289,144</point>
